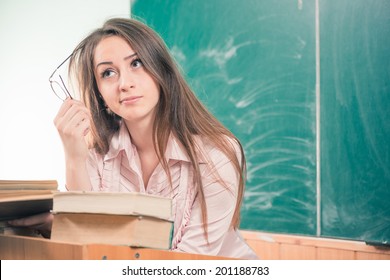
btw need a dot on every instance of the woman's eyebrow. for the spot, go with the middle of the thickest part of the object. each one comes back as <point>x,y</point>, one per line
<point>110,62</point>
<point>130,56</point>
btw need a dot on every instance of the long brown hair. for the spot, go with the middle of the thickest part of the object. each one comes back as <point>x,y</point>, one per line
<point>179,111</point>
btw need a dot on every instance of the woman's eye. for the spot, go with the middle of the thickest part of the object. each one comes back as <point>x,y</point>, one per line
<point>136,63</point>
<point>107,73</point>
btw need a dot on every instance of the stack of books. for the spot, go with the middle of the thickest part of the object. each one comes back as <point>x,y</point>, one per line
<point>22,198</point>
<point>130,219</point>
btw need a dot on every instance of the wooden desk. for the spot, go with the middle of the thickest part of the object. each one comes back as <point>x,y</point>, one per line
<point>31,248</point>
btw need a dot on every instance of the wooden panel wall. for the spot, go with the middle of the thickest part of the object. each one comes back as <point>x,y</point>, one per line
<point>270,246</point>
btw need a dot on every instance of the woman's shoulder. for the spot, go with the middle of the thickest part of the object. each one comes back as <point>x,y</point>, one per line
<point>215,149</point>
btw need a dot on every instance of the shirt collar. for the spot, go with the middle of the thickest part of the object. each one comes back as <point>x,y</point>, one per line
<point>121,141</point>
<point>176,151</point>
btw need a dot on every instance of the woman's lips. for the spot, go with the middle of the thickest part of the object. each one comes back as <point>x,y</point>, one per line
<point>130,99</point>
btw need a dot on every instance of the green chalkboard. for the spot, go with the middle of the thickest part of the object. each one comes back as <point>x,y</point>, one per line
<point>355,113</point>
<point>253,63</point>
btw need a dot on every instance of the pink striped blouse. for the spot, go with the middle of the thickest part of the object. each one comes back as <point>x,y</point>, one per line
<point>120,170</point>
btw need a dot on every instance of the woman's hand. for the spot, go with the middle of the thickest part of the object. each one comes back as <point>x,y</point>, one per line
<point>73,123</point>
<point>40,222</point>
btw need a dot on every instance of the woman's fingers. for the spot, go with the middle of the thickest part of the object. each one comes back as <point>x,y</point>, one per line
<point>63,109</point>
<point>68,110</point>
<point>41,222</point>
<point>73,122</point>
<point>72,119</point>
<point>33,221</point>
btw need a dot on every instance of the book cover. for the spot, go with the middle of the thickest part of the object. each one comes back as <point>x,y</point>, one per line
<point>28,185</point>
<point>19,207</point>
<point>21,198</point>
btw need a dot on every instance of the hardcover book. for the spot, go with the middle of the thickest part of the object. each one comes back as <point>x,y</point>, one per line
<point>120,203</point>
<point>116,218</point>
<point>25,198</point>
<point>128,230</point>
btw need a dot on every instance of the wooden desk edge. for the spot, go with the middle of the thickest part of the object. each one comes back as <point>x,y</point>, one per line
<point>31,248</point>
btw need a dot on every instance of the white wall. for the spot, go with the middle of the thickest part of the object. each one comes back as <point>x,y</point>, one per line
<point>35,36</point>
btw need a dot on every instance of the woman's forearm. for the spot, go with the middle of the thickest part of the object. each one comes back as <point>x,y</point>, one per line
<point>77,178</point>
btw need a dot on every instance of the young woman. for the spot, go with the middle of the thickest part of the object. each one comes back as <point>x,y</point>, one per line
<point>147,132</point>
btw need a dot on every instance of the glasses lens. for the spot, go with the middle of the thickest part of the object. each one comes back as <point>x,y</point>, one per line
<point>58,90</point>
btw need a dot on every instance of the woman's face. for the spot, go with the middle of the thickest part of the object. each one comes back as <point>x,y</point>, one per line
<point>127,88</point>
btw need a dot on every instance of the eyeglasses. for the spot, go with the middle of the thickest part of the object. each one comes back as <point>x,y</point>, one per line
<point>59,87</point>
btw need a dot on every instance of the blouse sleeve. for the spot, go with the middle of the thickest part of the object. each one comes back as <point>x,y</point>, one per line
<point>221,200</point>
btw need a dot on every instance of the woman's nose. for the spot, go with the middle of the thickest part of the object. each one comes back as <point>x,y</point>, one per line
<point>126,82</point>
